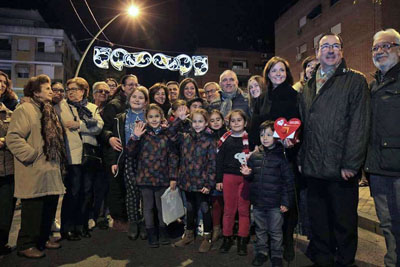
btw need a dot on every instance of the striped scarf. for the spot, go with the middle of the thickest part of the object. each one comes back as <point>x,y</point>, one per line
<point>245,139</point>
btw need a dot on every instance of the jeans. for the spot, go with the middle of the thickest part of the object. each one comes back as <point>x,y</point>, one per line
<point>268,226</point>
<point>386,193</point>
<point>152,198</point>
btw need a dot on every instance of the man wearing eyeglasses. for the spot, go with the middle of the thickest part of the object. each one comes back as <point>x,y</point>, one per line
<point>334,109</point>
<point>383,157</point>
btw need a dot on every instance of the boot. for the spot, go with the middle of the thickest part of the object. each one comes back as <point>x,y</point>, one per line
<point>216,233</point>
<point>142,231</point>
<point>188,237</point>
<point>133,232</point>
<point>164,238</point>
<point>242,246</point>
<point>206,244</point>
<point>259,259</point>
<point>226,244</point>
<point>152,238</point>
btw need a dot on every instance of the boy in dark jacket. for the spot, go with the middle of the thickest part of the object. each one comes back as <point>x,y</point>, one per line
<point>271,188</point>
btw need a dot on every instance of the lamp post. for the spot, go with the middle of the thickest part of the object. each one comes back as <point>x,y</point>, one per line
<point>132,11</point>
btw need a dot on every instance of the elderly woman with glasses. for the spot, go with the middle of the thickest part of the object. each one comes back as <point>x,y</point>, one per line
<point>35,138</point>
<point>82,123</point>
<point>101,92</point>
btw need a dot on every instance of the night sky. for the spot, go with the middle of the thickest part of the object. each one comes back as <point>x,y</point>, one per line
<point>168,26</point>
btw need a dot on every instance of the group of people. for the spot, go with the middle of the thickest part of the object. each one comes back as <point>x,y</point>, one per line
<point>119,154</point>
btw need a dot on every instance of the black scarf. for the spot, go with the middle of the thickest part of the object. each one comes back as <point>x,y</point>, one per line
<point>84,113</point>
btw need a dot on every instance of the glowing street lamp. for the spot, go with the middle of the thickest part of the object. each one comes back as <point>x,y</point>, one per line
<point>133,11</point>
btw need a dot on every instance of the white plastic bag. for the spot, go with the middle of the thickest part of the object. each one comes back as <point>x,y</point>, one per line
<point>172,205</point>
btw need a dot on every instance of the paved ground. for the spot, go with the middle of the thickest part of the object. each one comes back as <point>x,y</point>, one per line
<point>110,248</point>
<point>366,211</point>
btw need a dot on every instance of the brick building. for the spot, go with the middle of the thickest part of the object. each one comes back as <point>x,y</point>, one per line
<point>29,47</point>
<point>243,63</point>
<point>298,29</point>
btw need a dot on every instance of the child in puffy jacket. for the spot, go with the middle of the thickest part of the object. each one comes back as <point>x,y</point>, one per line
<point>271,189</point>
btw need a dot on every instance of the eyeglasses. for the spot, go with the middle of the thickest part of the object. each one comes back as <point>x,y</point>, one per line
<point>335,47</point>
<point>384,46</point>
<point>210,92</point>
<point>73,89</point>
<point>58,90</point>
<point>103,92</point>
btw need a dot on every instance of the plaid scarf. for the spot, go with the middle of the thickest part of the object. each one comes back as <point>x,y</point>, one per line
<point>227,103</point>
<point>245,139</point>
<point>322,78</point>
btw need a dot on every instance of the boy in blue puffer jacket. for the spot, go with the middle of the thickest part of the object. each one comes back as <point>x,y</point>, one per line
<point>271,188</point>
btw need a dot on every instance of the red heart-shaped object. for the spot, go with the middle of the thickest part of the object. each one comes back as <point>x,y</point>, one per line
<point>285,128</point>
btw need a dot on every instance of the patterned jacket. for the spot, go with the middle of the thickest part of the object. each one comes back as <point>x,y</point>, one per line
<point>156,160</point>
<point>198,153</point>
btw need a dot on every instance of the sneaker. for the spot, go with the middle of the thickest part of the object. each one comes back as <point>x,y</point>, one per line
<point>259,259</point>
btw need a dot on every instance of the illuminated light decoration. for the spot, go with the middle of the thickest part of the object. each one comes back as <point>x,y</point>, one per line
<point>101,56</point>
<point>185,64</point>
<point>162,61</point>
<point>140,59</point>
<point>117,58</point>
<point>120,58</point>
<point>200,65</point>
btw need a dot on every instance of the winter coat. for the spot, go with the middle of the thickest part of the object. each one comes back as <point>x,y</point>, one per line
<point>118,158</point>
<point>115,106</point>
<point>74,139</point>
<point>241,101</point>
<point>155,157</point>
<point>335,124</point>
<point>272,178</point>
<point>6,158</point>
<point>271,105</point>
<point>383,157</point>
<point>34,175</point>
<point>197,161</point>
